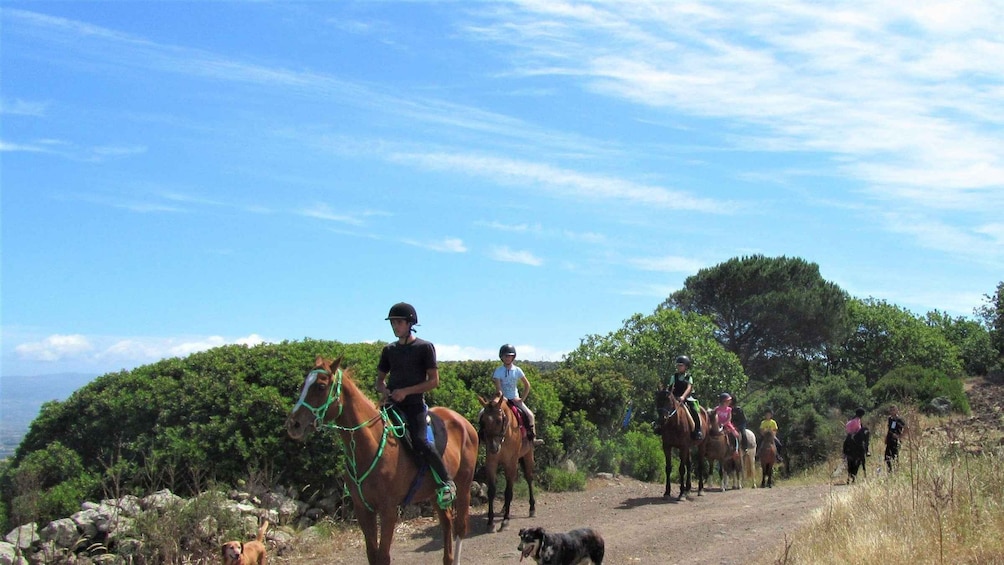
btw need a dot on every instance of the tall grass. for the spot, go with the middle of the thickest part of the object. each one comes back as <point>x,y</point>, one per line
<point>943,503</point>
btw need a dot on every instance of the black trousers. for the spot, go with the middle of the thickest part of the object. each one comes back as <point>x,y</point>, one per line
<point>414,417</point>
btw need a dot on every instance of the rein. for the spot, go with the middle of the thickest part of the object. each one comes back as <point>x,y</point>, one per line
<point>319,412</point>
<point>504,408</point>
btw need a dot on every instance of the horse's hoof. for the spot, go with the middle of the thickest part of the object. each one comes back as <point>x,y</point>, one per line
<point>503,525</point>
<point>533,512</point>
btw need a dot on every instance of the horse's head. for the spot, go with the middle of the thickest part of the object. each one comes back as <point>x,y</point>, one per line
<point>493,422</point>
<point>321,389</point>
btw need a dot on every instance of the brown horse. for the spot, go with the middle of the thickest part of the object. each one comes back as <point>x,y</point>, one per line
<point>676,431</point>
<point>768,456</point>
<point>721,447</point>
<point>380,474</point>
<point>505,445</point>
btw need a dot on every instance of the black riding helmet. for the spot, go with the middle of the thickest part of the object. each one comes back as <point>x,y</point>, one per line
<point>506,350</point>
<point>859,412</point>
<point>684,360</point>
<point>403,311</point>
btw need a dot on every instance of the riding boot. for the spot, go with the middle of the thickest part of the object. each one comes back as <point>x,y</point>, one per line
<point>448,489</point>
<point>697,434</point>
<point>532,436</point>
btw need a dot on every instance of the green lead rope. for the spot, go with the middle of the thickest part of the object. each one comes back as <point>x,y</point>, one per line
<point>444,496</point>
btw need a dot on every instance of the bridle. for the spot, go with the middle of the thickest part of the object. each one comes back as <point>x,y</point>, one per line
<point>503,425</point>
<point>323,377</point>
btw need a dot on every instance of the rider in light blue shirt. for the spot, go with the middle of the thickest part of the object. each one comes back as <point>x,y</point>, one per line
<point>507,378</point>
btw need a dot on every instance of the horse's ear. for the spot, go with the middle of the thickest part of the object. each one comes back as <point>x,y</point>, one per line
<point>318,361</point>
<point>482,401</point>
<point>337,363</point>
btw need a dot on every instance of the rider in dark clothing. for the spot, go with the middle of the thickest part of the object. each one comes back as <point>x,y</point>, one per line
<point>681,385</point>
<point>411,364</point>
<point>896,427</point>
<point>739,420</point>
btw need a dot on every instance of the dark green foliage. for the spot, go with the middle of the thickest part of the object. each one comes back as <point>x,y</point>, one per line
<point>773,313</point>
<point>183,423</point>
<point>50,483</point>
<point>992,314</point>
<point>886,337</point>
<point>642,353</point>
<point>811,437</point>
<point>581,440</point>
<point>560,480</point>
<point>640,455</point>
<point>971,339</point>
<point>918,386</point>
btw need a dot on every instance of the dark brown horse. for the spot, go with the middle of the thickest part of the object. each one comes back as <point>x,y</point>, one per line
<point>505,445</point>
<point>856,450</point>
<point>768,457</point>
<point>677,427</point>
<point>380,474</point>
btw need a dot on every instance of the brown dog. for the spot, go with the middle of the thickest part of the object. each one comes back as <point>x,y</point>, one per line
<point>250,553</point>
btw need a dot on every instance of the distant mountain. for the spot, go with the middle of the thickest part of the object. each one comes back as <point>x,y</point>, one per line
<point>22,397</point>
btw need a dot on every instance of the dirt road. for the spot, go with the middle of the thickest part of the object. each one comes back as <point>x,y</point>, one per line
<point>636,523</point>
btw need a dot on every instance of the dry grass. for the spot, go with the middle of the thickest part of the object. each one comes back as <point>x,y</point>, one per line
<point>944,504</point>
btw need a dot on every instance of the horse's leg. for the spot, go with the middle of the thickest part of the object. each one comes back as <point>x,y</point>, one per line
<point>510,479</point>
<point>492,469</point>
<point>526,463</point>
<point>388,519</point>
<point>685,471</point>
<point>446,518</point>
<point>368,524</point>
<point>700,469</point>
<point>669,472</point>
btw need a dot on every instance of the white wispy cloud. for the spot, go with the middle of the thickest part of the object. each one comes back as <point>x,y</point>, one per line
<point>86,41</point>
<point>18,107</point>
<point>507,255</point>
<point>563,182</point>
<point>324,212</point>
<point>539,229</point>
<point>905,98</point>
<point>131,351</point>
<point>446,245</point>
<point>54,348</point>
<point>11,147</point>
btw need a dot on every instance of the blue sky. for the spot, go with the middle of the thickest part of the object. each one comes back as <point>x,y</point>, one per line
<point>177,176</point>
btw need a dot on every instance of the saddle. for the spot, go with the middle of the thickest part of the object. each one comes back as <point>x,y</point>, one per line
<point>435,431</point>
<point>520,416</point>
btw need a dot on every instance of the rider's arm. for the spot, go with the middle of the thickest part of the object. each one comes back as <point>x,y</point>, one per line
<point>526,390</point>
<point>431,381</point>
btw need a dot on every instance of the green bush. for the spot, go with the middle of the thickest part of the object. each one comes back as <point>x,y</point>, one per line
<point>50,484</point>
<point>560,480</point>
<point>920,386</point>
<point>642,457</point>
<point>194,528</point>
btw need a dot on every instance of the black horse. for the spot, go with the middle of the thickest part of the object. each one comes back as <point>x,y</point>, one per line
<point>856,450</point>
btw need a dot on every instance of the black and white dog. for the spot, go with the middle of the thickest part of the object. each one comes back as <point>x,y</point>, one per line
<point>583,545</point>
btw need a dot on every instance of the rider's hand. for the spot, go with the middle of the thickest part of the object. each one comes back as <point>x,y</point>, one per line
<point>397,395</point>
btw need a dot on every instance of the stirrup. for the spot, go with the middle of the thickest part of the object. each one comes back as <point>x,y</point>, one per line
<point>446,495</point>
<point>538,441</point>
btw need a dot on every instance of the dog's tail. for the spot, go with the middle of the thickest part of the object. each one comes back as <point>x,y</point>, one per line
<point>261,532</point>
